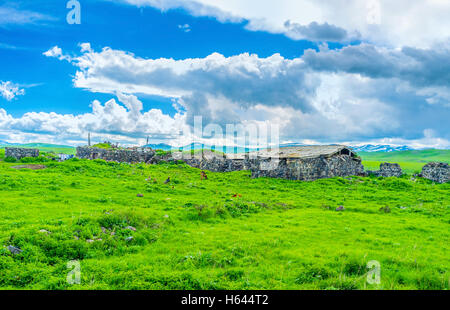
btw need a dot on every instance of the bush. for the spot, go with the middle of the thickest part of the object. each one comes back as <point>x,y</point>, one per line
<point>312,274</point>
<point>162,152</point>
<point>10,159</point>
<point>105,146</point>
<point>39,159</point>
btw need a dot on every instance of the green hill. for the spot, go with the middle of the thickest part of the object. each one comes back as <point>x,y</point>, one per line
<point>50,148</point>
<point>410,161</point>
<point>45,145</point>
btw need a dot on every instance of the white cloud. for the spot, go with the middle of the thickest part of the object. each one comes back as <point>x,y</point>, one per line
<point>395,23</point>
<point>9,90</point>
<point>110,120</point>
<point>13,16</point>
<point>185,27</point>
<point>355,99</point>
<point>57,52</point>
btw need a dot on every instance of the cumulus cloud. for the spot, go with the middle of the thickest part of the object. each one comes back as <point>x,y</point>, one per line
<point>57,52</point>
<point>316,32</point>
<point>120,121</point>
<point>9,90</point>
<point>361,92</point>
<point>246,78</point>
<point>420,67</point>
<point>395,23</point>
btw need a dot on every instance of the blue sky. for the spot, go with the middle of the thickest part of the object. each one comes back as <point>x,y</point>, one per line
<point>137,68</point>
<point>146,32</point>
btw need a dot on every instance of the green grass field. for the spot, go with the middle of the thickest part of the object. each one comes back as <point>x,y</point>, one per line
<point>49,148</point>
<point>410,161</point>
<point>227,232</point>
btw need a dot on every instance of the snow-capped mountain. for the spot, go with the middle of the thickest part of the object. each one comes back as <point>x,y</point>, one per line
<point>380,148</point>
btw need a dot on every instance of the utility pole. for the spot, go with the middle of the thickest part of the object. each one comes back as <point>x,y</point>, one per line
<point>89,139</point>
<point>147,141</point>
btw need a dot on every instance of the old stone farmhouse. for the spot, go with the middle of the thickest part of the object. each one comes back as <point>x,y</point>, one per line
<point>305,163</point>
<point>19,153</point>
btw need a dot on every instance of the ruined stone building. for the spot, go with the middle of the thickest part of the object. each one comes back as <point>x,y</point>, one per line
<point>212,161</point>
<point>436,172</point>
<point>136,155</point>
<point>388,170</point>
<point>294,163</point>
<point>305,163</point>
<point>19,153</point>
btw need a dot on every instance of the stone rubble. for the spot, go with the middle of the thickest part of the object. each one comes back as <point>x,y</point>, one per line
<point>436,172</point>
<point>14,250</point>
<point>19,153</point>
<point>137,155</point>
<point>387,170</point>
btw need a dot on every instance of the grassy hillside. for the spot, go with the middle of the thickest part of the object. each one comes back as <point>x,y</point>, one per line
<point>227,232</point>
<point>422,156</point>
<point>410,161</point>
<point>49,148</point>
<point>46,145</point>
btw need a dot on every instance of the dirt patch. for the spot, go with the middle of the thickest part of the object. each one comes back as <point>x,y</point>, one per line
<point>32,167</point>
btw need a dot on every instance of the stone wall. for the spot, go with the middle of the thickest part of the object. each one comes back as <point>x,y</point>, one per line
<point>19,153</point>
<point>306,169</point>
<point>119,155</point>
<point>388,170</point>
<point>293,169</point>
<point>216,164</point>
<point>437,172</point>
<point>207,160</point>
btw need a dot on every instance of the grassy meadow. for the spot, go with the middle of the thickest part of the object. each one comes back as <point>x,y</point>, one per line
<point>130,230</point>
<point>410,161</point>
<point>47,148</point>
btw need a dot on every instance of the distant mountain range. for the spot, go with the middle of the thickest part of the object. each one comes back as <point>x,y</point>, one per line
<point>370,148</point>
<point>34,145</point>
<point>200,146</point>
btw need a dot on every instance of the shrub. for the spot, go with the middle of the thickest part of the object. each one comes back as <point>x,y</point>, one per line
<point>313,274</point>
<point>234,274</point>
<point>105,146</point>
<point>10,159</point>
<point>40,159</point>
<point>162,152</point>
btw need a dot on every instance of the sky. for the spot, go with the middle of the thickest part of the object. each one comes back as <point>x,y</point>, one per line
<point>338,71</point>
